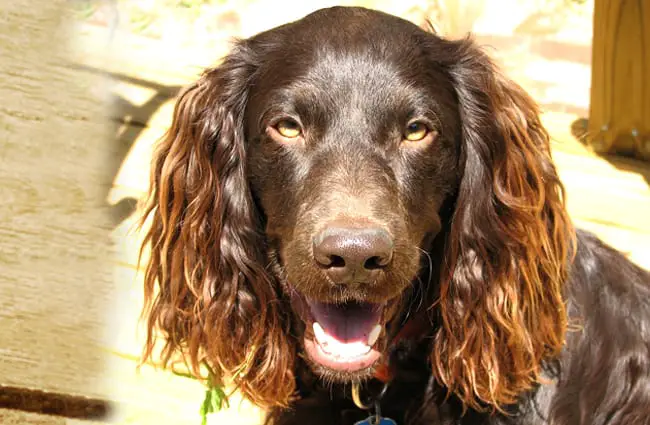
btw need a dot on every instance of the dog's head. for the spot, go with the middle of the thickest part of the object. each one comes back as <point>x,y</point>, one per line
<point>316,168</point>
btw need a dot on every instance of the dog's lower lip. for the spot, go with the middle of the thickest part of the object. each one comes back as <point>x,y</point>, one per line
<point>351,364</point>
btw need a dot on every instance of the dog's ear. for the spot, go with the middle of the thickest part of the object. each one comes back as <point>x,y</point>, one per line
<point>209,297</point>
<point>510,243</point>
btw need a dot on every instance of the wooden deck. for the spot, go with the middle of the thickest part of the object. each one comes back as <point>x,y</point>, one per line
<point>54,248</point>
<point>75,327</point>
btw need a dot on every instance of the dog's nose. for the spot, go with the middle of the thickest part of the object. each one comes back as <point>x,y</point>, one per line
<point>353,254</point>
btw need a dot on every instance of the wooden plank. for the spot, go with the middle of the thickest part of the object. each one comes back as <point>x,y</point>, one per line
<point>55,247</point>
<point>17,417</point>
<point>53,404</point>
<point>14,417</point>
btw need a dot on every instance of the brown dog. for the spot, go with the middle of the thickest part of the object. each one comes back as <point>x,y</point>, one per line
<point>340,179</point>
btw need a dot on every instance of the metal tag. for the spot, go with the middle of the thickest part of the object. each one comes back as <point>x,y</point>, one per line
<point>372,420</point>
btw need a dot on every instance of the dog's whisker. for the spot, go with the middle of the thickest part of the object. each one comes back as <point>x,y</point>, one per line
<point>429,276</point>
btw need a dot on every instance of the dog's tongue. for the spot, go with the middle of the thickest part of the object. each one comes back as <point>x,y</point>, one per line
<point>346,330</point>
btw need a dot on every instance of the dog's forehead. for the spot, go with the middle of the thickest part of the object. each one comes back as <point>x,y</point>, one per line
<point>345,87</point>
<point>354,72</point>
<point>362,68</point>
<point>339,38</point>
<point>370,66</point>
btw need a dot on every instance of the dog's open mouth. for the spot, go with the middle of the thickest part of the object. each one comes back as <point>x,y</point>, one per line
<point>344,337</point>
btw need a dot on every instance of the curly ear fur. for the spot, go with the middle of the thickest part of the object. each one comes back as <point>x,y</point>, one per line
<point>501,295</point>
<point>205,285</point>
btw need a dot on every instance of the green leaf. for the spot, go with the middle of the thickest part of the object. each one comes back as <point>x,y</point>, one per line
<point>215,399</point>
<point>205,406</point>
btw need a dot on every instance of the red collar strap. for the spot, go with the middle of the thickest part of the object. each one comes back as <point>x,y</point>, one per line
<point>415,328</point>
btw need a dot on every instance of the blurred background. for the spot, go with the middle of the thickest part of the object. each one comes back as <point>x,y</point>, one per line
<point>584,61</point>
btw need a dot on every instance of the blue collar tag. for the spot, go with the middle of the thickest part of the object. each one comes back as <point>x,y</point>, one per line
<point>372,420</point>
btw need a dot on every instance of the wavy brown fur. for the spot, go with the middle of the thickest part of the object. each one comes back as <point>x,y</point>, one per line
<point>206,253</point>
<point>501,297</point>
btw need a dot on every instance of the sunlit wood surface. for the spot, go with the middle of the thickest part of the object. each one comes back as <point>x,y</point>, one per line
<point>55,268</point>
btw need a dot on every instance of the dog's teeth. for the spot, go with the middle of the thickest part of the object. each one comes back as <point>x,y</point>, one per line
<point>338,349</point>
<point>319,333</point>
<point>374,335</point>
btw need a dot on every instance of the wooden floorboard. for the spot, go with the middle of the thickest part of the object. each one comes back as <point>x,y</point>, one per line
<point>55,239</point>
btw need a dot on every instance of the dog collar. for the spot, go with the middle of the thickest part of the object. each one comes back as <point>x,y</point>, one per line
<point>414,329</point>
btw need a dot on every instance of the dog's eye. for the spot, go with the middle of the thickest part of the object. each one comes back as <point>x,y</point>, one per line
<point>288,128</point>
<point>416,131</point>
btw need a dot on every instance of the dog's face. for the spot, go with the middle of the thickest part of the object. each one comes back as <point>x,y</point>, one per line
<point>353,148</point>
<point>347,163</point>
